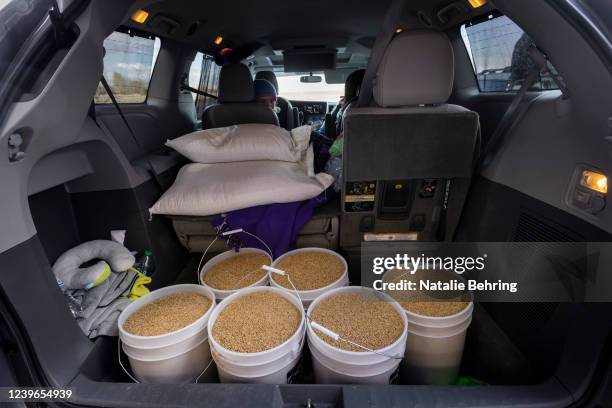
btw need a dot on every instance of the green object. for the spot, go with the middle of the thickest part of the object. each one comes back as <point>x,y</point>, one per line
<point>336,148</point>
<point>469,381</point>
<point>148,252</point>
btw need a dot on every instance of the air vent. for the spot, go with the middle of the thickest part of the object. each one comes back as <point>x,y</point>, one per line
<point>533,229</point>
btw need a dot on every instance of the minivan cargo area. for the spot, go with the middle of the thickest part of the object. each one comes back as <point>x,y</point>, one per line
<point>394,203</point>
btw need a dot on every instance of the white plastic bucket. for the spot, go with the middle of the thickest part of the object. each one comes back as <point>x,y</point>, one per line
<point>281,373</point>
<point>175,357</point>
<point>335,365</point>
<point>325,374</point>
<point>221,294</point>
<point>265,367</point>
<point>435,347</point>
<point>168,338</point>
<point>184,367</point>
<point>308,296</point>
<point>165,351</point>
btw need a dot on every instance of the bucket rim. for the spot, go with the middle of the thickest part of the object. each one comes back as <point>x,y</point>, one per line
<point>293,362</point>
<point>389,299</point>
<point>145,300</point>
<point>441,318</point>
<point>245,291</point>
<point>470,307</point>
<point>345,373</point>
<point>132,357</point>
<point>225,292</point>
<point>310,291</point>
<point>462,327</point>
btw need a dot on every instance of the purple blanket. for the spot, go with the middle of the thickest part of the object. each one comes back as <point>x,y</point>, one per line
<point>278,225</point>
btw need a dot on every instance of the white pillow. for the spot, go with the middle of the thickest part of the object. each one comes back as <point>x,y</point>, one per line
<point>207,189</point>
<point>246,142</point>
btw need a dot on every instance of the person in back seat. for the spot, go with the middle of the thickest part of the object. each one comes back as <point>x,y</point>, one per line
<point>266,93</point>
<point>286,116</point>
<point>236,103</point>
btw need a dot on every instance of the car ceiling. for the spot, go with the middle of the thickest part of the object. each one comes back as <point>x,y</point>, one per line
<point>276,25</point>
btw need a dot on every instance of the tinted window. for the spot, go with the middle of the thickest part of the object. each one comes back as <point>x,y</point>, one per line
<point>204,76</point>
<point>128,65</point>
<point>498,50</point>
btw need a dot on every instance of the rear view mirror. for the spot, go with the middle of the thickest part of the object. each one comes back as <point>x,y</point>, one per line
<point>311,79</point>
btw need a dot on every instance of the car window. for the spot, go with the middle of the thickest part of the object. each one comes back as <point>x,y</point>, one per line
<point>204,76</point>
<point>4,3</point>
<point>498,50</point>
<point>293,89</point>
<point>128,66</point>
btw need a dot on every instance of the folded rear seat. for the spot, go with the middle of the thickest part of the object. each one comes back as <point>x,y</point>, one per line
<point>196,233</point>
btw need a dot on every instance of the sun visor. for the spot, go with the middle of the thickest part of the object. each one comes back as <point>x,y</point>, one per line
<point>305,60</point>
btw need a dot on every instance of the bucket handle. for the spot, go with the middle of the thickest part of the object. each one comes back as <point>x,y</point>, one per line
<point>224,234</point>
<point>296,350</point>
<point>138,382</point>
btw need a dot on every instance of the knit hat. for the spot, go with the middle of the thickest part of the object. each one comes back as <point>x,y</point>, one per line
<point>264,89</point>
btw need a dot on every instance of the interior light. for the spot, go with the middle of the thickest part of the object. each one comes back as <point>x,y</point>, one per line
<point>218,40</point>
<point>398,30</point>
<point>594,181</point>
<point>477,3</point>
<point>140,16</point>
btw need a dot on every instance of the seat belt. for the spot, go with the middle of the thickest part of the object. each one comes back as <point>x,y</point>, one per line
<point>384,37</point>
<point>151,169</point>
<point>185,87</point>
<point>515,110</point>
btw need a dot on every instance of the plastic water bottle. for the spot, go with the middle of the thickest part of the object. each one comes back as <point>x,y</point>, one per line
<point>73,304</point>
<point>146,264</point>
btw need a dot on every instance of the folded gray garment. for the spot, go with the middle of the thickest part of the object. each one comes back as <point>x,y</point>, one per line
<point>103,304</point>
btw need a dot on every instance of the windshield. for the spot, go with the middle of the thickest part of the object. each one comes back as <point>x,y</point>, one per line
<point>291,88</point>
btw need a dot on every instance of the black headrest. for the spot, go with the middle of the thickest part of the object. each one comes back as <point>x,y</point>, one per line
<point>353,84</point>
<point>235,83</point>
<point>268,76</point>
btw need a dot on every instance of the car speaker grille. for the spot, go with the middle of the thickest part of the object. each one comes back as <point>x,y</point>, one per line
<point>532,229</point>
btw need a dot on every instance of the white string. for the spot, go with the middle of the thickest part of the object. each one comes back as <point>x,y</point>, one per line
<point>203,256</point>
<point>138,382</point>
<point>121,363</point>
<point>202,373</point>
<point>260,240</point>
<point>283,273</point>
<point>245,276</point>
<point>235,231</point>
<point>356,344</point>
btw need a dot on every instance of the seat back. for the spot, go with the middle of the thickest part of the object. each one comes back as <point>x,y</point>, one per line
<point>408,158</point>
<point>236,104</point>
<point>296,117</point>
<point>351,93</point>
<point>286,117</point>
